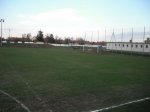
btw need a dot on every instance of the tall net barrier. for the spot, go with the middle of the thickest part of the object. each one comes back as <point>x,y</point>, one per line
<point>128,34</point>
<point>130,41</point>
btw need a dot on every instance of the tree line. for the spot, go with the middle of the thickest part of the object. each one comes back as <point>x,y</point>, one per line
<point>48,38</point>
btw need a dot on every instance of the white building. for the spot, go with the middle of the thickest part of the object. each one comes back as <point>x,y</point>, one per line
<point>129,47</point>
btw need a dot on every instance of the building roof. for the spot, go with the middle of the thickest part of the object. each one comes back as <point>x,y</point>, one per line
<point>129,42</point>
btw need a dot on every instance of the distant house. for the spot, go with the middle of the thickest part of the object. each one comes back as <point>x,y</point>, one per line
<point>18,39</point>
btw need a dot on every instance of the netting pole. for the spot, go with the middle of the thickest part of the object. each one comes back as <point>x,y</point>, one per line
<point>143,39</point>
<point>131,41</point>
<point>121,40</point>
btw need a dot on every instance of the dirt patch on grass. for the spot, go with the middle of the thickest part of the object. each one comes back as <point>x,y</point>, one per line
<point>76,103</point>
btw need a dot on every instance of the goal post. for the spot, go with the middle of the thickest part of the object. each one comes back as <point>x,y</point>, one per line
<point>93,49</point>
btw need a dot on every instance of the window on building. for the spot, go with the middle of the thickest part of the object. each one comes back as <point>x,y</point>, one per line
<point>119,44</point>
<point>131,45</point>
<point>146,46</point>
<point>123,45</point>
<point>136,46</point>
<point>141,46</point>
<point>115,44</point>
<point>127,45</point>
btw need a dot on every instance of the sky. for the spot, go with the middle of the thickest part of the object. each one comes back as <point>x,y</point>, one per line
<point>72,18</point>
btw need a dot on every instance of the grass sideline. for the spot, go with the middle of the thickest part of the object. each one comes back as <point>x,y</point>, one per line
<point>136,107</point>
<point>70,81</point>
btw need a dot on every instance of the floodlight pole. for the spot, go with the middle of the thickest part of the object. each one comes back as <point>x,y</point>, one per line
<point>2,20</point>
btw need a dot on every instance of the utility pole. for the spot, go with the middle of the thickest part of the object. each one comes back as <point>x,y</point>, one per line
<point>2,20</point>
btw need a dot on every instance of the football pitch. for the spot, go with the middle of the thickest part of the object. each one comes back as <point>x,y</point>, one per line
<point>67,80</point>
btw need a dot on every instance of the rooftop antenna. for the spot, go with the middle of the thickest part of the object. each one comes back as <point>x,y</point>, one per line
<point>113,38</point>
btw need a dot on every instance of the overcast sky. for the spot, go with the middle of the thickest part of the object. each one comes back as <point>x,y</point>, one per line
<point>72,17</point>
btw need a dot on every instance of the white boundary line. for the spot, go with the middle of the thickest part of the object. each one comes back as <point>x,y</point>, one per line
<point>43,103</point>
<point>15,99</point>
<point>115,106</point>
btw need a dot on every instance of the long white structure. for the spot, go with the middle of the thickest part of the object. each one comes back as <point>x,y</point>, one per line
<point>129,47</point>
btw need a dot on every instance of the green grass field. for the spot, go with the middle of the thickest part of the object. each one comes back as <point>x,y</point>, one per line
<point>67,80</point>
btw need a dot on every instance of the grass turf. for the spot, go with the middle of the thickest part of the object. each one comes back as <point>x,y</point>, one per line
<point>136,107</point>
<point>67,80</point>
